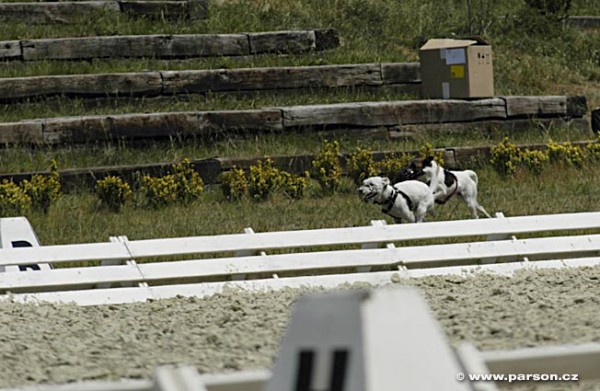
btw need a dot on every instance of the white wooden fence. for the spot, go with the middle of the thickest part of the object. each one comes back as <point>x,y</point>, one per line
<point>378,254</point>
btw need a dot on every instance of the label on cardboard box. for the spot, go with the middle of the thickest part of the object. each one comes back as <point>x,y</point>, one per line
<point>445,90</point>
<point>455,56</point>
<point>457,71</point>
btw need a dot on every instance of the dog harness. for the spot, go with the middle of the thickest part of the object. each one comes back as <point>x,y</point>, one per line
<point>389,203</point>
<point>449,178</point>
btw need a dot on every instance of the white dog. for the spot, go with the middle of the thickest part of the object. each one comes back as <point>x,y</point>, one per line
<point>409,200</point>
<point>445,183</point>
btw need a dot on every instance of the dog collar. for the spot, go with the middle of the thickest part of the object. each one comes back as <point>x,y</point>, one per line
<point>452,176</point>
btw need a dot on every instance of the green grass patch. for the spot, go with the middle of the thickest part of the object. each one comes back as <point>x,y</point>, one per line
<point>24,159</point>
<point>78,218</point>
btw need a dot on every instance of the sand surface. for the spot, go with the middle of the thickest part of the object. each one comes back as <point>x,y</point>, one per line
<point>50,343</point>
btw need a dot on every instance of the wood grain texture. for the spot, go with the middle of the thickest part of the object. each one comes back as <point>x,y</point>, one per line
<point>10,50</point>
<point>522,106</point>
<point>251,79</point>
<point>211,122</point>
<point>113,84</point>
<point>282,42</point>
<point>393,113</point>
<point>157,9</point>
<point>136,46</point>
<point>50,13</point>
<point>26,132</point>
<point>399,73</point>
<point>168,46</point>
<point>69,12</point>
<point>202,81</point>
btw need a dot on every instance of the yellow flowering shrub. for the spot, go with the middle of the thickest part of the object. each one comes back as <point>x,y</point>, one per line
<point>263,179</point>
<point>391,166</point>
<point>13,199</point>
<point>234,184</point>
<point>189,183</point>
<point>534,160</point>
<point>159,191</point>
<point>360,165</point>
<point>293,186</point>
<point>113,192</point>
<point>565,152</point>
<point>427,150</point>
<point>592,150</point>
<point>43,189</point>
<point>506,157</point>
<point>327,167</point>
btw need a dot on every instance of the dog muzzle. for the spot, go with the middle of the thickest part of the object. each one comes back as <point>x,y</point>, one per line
<point>366,195</point>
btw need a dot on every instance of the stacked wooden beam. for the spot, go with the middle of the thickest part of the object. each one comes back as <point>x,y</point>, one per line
<point>169,46</point>
<point>69,12</point>
<point>396,115</point>
<point>404,75</point>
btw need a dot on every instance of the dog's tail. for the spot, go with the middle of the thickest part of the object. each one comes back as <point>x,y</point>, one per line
<point>473,176</point>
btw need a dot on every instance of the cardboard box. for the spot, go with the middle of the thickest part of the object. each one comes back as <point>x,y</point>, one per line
<point>457,68</point>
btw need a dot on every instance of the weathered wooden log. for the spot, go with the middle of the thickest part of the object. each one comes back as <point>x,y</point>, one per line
<point>76,129</point>
<point>163,46</point>
<point>157,125</point>
<point>282,42</point>
<point>218,80</point>
<point>24,132</point>
<point>250,79</point>
<point>73,11</point>
<point>10,50</point>
<point>400,73</point>
<point>584,21</point>
<point>393,113</point>
<point>189,9</point>
<point>110,84</point>
<point>136,46</point>
<point>440,114</point>
<point>524,106</point>
<point>218,122</point>
<point>48,13</point>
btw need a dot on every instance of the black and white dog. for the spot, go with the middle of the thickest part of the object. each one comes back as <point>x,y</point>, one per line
<point>445,183</point>
<point>408,200</point>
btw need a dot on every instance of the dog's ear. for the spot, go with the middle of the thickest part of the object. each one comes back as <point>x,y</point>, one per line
<point>386,180</point>
<point>427,161</point>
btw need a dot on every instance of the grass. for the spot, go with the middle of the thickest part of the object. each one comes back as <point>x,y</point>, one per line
<point>532,57</point>
<point>25,159</point>
<point>78,218</point>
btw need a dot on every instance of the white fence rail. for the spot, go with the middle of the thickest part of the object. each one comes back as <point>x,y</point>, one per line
<point>380,254</point>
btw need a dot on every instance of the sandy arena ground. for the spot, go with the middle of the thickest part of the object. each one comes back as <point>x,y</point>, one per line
<point>233,331</point>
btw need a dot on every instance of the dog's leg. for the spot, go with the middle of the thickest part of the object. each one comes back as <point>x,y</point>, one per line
<point>410,216</point>
<point>420,213</point>
<point>472,205</point>
<point>480,208</point>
